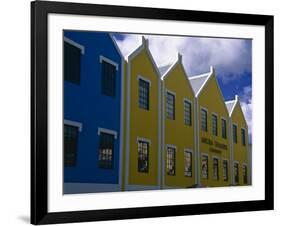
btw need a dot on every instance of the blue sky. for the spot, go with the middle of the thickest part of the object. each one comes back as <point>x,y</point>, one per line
<point>231,58</point>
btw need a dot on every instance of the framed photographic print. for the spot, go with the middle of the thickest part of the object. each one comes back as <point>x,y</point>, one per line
<point>144,112</point>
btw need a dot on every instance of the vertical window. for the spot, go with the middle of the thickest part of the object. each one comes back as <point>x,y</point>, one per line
<point>223,128</point>
<point>143,94</point>
<point>234,131</point>
<point>71,63</point>
<point>70,145</point>
<point>215,168</point>
<point>143,156</point>
<point>225,170</point>
<point>243,137</point>
<point>108,80</point>
<point>204,122</point>
<point>204,166</point>
<point>170,105</point>
<point>214,125</point>
<point>171,161</point>
<point>245,176</point>
<point>236,173</point>
<point>106,148</point>
<point>187,113</point>
<point>188,163</point>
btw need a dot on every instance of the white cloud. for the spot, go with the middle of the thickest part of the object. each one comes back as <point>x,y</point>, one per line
<point>230,57</point>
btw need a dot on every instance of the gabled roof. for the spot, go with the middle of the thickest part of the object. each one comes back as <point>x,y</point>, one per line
<point>230,105</point>
<point>144,46</point>
<point>198,81</point>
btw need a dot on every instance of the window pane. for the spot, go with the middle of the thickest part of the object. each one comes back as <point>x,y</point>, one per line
<point>215,169</point>
<point>187,113</point>
<point>108,80</point>
<point>204,167</point>
<point>236,173</point>
<point>171,161</point>
<point>71,63</point>
<point>223,128</point>
<point>70,145</point>
<point>170,105</point>
<point>143,94</point>
<point>234,130</point>
<point>106,151</point>
<point>225,170</point>
<point>143,156</point>
<point>214,125</point>
<point>245,178</point>
<point>243,137</point>
<point>204,120</point>
<point>188,164</point>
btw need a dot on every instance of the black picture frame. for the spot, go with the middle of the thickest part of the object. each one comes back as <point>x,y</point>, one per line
<point>39,112</point>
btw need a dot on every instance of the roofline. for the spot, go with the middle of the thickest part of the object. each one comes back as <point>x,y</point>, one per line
<point>173,65</point>
<point>199,76</point>
<point>116,46</point>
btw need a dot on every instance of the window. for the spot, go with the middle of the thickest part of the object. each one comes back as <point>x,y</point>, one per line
<point>187,113</point>
<point>70,145</point>
<point>214,125</point>
<point>245,176</point>
<point>71,63</point>
<point>170,106</point>
<point>143,94</point>
<point>225,170</point>
<point>108,80</point>
<point>188,163</point>
<point>215,168</point>
<point>204,126</point>
<point>143,156</point>
<point>106,151</point>
<point>223,128</point>
<point>243,137</point>
<point>234,130</point>
<point>171,161</point>
<point>236,173</point>
<point>205,166</point>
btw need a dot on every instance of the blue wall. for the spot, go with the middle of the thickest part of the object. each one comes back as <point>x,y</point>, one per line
<point>84,103</point>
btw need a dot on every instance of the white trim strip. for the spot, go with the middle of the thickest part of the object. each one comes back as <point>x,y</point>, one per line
<point>102,58</point>
<point>79,46</point>
<point>108,131</point>
<point>144,140</point>
<point>144,79</point>
<point>73,123</point>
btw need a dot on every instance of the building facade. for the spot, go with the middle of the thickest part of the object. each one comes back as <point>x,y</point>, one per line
<point>178,165</point>
<point>129,125</point>
<point>93,112</point>
<point>143,121</point>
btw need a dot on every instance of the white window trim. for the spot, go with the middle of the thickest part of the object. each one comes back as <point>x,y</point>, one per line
<point>242,128</point>
<point>108,131</point>
<point>79,46</point>
<point>144,140</point>
<point>225,127</point>
<point>105,59</point>
<point>203,108</point>
<point>188,150</point>
<point>216,157</point>
<point>171,146</point>
<point>208,172</point>
<point>215,114</point>
<point>73,123</point>
<point>171,92</point>
<point>187,100</point>
<point>144,79</point>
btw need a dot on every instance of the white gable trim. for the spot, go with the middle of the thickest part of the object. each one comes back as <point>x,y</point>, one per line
<point>79,46</point>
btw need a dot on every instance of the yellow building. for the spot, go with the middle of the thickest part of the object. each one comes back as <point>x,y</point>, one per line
<point>239,143</point>
<point>178,127</point>
<point>143,121</point>
<point>212,138</point>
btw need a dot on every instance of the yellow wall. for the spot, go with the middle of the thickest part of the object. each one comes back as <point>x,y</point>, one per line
<point>240,152</point>
<point>143,123</point>
<point>211,99</point>
<point>176,132</point>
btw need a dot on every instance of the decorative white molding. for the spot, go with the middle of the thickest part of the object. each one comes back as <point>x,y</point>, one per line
<point>71,42</point>
<point>143,140</point>
<point>102,58</point>
<point>144,79</point>
<point>73,123</point>
<point>108,131</point>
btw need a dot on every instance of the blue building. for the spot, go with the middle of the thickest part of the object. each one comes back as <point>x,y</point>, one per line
<point>93,70</point>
